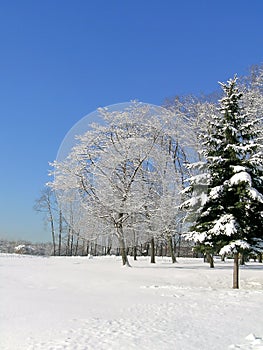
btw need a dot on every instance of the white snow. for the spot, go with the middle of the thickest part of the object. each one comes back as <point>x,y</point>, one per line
<point>255,194</point>
<point>226,224</point>
<point>80,303</point>
<point>242,176</point>
<point>215,191</point>
<point>232,247</point>
<point>238,168</point>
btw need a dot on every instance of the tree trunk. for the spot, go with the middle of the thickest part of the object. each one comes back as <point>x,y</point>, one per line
<point>77,245</point>
<point>152,251</point>
<point>68,242</point>
<point>51,219</point>
<point>161,250</point>
<point>83,247</point>
<point>52,231</point>
<point>165,249</point>
<point>120,236</point>
<point>171,251</point>
<point>119,228</point>
<point>210,260</point>
<point>146,250</point>
<point>179,246</point>
<point>135,252</point>
<point>87,249</point>
<point>60,233</point>
<point>156,249</point>
<point>135,243</point>
<point>53,235</point>
<point>242,259</point>
<point>260,258</point>
<point>125,261</point>
<point>71,245</point>
<point>236,272</point>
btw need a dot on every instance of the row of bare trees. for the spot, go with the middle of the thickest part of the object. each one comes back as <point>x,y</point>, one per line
<point>66,242</point>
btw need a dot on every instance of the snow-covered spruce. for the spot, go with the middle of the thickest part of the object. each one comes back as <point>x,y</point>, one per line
<point>230,210</point>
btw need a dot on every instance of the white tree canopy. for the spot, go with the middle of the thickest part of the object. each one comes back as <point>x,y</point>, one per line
<point>125,168</point>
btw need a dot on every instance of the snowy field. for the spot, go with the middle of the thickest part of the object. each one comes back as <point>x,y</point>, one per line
<point>80,303</point>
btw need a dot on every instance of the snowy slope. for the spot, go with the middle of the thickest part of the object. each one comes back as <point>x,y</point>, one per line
<point>81,303</point>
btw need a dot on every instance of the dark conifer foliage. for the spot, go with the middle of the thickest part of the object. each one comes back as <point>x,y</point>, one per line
<point>230,218</point>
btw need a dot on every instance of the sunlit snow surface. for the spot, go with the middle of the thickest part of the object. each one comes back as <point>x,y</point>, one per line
<point>81,303</point>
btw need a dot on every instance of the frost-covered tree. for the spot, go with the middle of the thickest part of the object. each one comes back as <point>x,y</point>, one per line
<point>193,112</point>
<point>166,215</point>
<point>54,216</point>
<point>121,172</point>
<point>230,211</point>
<point>106,171</point>
<point>47,204</point>
<point>252,89</point>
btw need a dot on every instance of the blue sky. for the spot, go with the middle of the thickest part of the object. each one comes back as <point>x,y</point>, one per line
<point>61,60</point>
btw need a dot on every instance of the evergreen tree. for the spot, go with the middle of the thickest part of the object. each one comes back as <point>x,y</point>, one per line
<point>230,216</point>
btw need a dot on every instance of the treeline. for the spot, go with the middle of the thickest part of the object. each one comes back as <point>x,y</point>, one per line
<point>67,242</point>
<point>25,247</point>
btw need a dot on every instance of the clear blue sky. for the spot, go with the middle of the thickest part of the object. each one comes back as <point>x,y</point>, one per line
<point>61,60</point>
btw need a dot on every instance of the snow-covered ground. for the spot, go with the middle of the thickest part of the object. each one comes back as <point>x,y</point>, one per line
<point>80,303</point>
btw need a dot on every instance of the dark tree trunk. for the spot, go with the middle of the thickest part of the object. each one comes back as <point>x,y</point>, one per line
<point>91,249</point>
<point>77,246</point>
<point>171,251</point>
<point>260,258</point>
<point>83,247</point>
<point>236,272</point>
<point>161,250</point>
<point>71,245</point>
<point>51,219</point>
<point>87,249</point>
<point>120,235</point>
<point>152,251</point>
<point>52,231</point>
<point>210,260</point>
<point>68,242</point>
<point>165,250</point>
<point>60,233</point>
<point>156,249</point>
<point>135,252</point>
<point>146,249</point>
<point>242,259</point>
<point>53,238</point>
<point>179,246</point>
